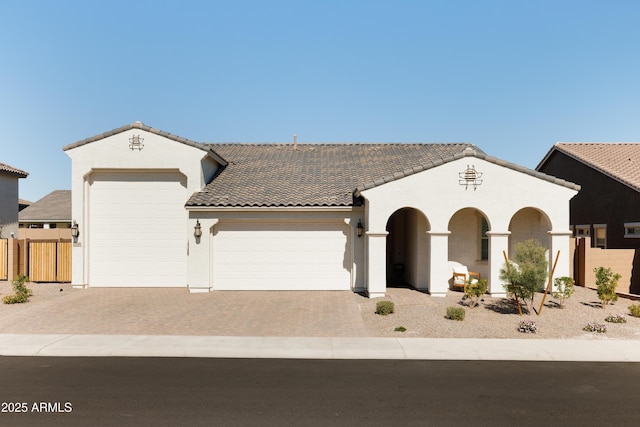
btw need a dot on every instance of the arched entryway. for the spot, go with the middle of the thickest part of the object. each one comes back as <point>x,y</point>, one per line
<point>528,223</point>
<point>408,249</point>
<point>468,241</point>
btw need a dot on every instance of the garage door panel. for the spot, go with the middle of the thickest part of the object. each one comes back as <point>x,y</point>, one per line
<point>275,256</point>
<point>137,226</point>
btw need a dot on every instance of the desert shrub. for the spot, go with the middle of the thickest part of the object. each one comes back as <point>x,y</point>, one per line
<point>455,313</point>
<point>22,293</point>
<point>527,275</point>
<point>563,289</point>
<point>606,283</point>
<point>400,329</point>
<point>528,327</point>
<point>634,310</point>
<point>475,291</point>
<point>595,327</point>
<point>385,307</point>
<point>615,318</point>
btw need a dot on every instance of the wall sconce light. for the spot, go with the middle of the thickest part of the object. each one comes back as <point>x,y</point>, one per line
<point>197,230</point>
<point>359,229</point>
<point>75,231</point>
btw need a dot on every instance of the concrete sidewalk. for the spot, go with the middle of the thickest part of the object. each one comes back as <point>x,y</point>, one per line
<point>318,348</point>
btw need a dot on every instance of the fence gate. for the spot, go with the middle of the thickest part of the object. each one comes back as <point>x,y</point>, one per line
<point>4,259</point>
<point>49,261</point>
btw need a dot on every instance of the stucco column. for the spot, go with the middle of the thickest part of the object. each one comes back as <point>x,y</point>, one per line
<point>199,255</point>
<point>498,243</point>
<point>439,273</point>
<point>559,241</point>
<point>376,263</point>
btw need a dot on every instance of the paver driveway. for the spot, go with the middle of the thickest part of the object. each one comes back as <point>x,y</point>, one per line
<point>60,309</point>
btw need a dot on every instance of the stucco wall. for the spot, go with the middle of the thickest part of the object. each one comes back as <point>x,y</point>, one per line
<point>504,192</point>
<point>44,233</point>
<point>8,204</point>
<point>199,271</point>
<point>114,154</point>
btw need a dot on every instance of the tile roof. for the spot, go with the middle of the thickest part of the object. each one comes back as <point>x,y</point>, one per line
<point>54,207</point>
<point>14,171</point>
<point>271,175</point>
<point>618,160</point>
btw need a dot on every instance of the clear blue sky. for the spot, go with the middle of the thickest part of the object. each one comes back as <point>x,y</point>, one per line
<point>512,77</point>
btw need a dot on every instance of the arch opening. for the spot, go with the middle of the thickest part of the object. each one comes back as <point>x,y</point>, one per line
<point>468,241</point>
<point>407,249</point>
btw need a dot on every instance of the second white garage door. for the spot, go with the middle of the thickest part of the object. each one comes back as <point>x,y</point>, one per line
<point>281,256</point>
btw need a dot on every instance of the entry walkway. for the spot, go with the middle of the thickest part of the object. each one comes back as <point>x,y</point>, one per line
<point>319,348</point>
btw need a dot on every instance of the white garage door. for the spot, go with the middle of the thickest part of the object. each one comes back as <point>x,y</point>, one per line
<point>137,224</point>
<point>281,256</point>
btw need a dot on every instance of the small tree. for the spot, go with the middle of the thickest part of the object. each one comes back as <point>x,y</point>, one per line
<point>474,291</point>
<point>606,283</point>
<point>564,289</point>
<point>528,274</point>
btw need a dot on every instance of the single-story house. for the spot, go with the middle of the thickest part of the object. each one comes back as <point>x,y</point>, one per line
<point>607,209</point>
<point>9,202</point>
<point>154,209</point>
<point>47,218</point>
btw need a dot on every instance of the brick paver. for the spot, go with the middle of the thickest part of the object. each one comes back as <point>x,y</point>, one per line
<point>60,309</point>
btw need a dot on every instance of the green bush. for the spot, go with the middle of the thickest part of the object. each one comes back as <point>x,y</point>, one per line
<point>595,327</point>
<point>455,313</point>
<point>634,310</point>
<point>385,307</point>
<point>616,318</point>
<point>606,283</point>
<point>22,292</point>
<point>564,289</point>
<point>475,291</point>
<point>528,275</point>
<point>400,329</point>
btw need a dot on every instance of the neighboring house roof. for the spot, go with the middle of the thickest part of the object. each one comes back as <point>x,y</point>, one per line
<point>617,160</point>
<point>142,126</point>
<point>13,171</point>
<point>54,207</point>
<point>22,203</point>
<point>266,175</point>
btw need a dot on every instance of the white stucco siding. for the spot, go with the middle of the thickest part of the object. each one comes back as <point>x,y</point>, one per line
<point>113,155</point>
<point>259,255</point>
<point>137,229</point>
<point>157,153</point>
<point>438,194</point>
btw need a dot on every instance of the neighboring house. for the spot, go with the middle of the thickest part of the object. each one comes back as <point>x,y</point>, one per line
<point>49,217</point>
<point>154,209</point>
<point>607,209</point>
<point>9,205</point>
<point>23,204</point>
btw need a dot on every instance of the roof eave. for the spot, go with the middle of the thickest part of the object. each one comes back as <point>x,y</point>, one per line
<point>559,148</point>
<point>142,126</point>
<point>467,152</point>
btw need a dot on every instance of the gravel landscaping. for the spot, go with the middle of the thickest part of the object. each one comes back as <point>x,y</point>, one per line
<point>424,316</point>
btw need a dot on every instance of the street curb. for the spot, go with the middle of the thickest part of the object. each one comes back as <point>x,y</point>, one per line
<point>569,350</point>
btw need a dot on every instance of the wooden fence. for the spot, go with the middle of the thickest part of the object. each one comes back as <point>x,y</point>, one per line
<point>41,260</point>
<point>4,259</point>
<point>49,261</point>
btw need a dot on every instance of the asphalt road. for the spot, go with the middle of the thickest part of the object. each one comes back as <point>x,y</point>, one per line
<point>267,392</point>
